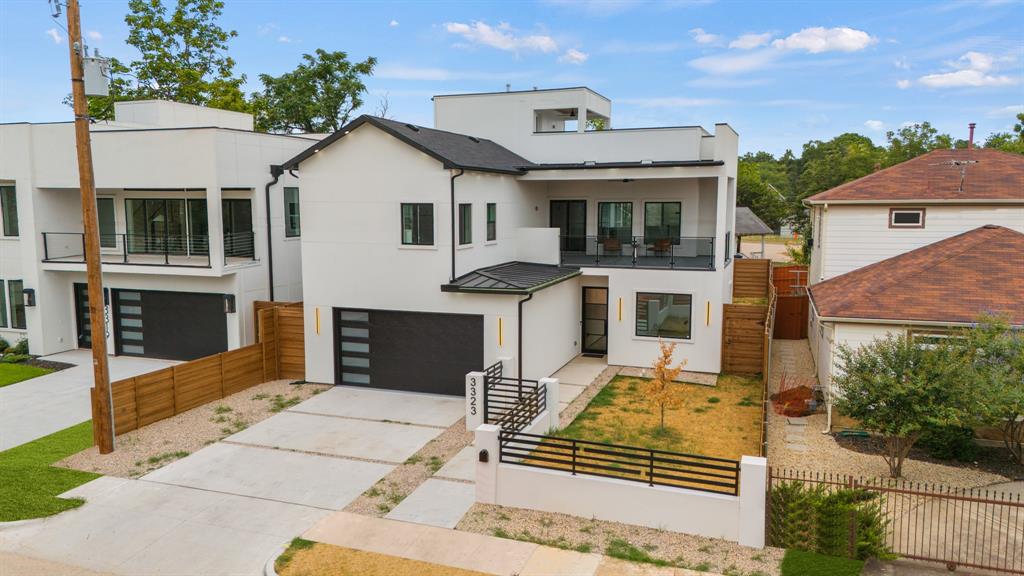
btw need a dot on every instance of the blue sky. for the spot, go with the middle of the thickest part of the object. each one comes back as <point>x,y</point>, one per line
<point>780,73</point>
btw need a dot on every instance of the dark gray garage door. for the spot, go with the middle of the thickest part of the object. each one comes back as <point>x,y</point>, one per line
<point>416,351</point>
<point>172,325</point>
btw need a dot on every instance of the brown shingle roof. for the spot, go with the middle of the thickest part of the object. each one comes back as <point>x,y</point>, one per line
<point>933,176</point>
<point>953,280</point>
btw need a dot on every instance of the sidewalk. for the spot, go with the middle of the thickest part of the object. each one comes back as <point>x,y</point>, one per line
<point>470,551</point>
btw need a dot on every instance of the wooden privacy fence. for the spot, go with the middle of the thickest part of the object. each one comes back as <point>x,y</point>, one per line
<point>751,277</point>
<point>747,328</point>
<point>278,353</point>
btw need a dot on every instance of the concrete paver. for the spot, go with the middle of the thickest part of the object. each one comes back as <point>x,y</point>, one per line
<point>546,561</point>
<point>372,404</point>
<point>569,392</point>
<point>436,502</point>
<point>307,479</point>
<point>581,370</point>
<point>45,404</point>
<point>462,466</point>
<point>338,436</point>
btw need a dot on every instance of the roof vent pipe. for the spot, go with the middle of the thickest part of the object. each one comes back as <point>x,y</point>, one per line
<point>970,136</point>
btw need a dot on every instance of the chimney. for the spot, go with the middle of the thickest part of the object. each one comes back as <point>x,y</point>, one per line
<point>970,136</point>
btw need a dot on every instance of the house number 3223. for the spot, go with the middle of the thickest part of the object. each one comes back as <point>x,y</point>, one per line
<point>472,396</point>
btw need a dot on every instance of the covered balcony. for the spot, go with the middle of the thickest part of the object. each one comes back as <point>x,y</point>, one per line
<point>693,253</point>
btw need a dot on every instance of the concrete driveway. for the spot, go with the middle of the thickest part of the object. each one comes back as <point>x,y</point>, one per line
<point>228,508</point>
<point>43,405</point>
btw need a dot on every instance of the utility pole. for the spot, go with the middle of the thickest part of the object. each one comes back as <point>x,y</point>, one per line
<point>102,402</point>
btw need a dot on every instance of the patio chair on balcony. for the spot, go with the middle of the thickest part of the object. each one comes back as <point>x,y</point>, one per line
<point>612,246</point>
<point>660,247</point>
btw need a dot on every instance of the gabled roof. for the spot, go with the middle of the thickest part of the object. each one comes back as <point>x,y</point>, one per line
<point>451,149</point>
<point>988,175</point>
<point>748,224</point>
<point>954,280</point>
<point>511,278</point>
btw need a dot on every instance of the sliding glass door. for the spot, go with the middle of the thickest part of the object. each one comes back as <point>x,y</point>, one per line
<point>662,222</point>
<point>238,235</point>
<point>156,225</point>
<point>570,217</point>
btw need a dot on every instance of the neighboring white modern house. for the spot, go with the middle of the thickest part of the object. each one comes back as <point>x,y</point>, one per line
<point>182,214</point>
<point>512,231</point>
<point>923,246</point>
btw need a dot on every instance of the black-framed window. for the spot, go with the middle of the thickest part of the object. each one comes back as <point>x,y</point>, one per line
<point>291,213</point>
<point>906,218</point>
<point>3,305</point>
<point>615,220</point>
<point>9,210</point>
<point>16,295</point>
<point>664,315</point>
<point>662,221</point>
<point>105,216</point>
<point>418,224</point>
<point>728,246</point>
<point>492,221</point>
<point>465,223</point>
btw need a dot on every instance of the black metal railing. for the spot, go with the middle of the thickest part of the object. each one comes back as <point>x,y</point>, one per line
<point>651,467</point>
<point>512,403</point>
<point>494,370</point>
<point>684,253</point>
<point>239,245</point>
<point>188,250</point>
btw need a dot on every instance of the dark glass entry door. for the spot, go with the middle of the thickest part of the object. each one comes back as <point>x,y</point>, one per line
<point>595,320</point>
<point>238,236</point>
<point>570,217</point>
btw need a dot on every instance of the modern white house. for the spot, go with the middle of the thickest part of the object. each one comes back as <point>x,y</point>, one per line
<point>512,229</point>
<point>182,204</point>
<point>923,246</point>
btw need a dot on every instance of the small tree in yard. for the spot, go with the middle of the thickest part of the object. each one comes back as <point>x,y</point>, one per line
<point>896,388</point>
<point>659,388</point>
<point>996,374</point>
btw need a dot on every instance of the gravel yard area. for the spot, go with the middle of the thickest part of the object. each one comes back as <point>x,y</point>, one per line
<point>160,443</point>
<point>612,538</point>
<point>383,496</point>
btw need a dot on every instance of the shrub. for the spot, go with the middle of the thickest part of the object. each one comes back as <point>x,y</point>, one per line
<point>4,345</point>
<point>950,443</point>
<point>20,348</point>
<point>12,358</point>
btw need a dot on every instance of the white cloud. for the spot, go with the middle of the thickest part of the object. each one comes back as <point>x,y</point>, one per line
<point>501,37</point>
<point>901,63</point>
<point>973,69</point>
<point>624,47</point>
<point>94,35</point>
<point>54,35</point>
<point>735,63</point>
<point>702,37</point>
<point>285,40</point>
<point>1006,111</point>
<point>574,56</point>
<point>903,84</point>
<point>818,39</point>
<point>751,41</point>
<point>264,29</point>
<point>670,102</point>
<point>443,74</point>
<point>875,125</point>
<point>393,24</point>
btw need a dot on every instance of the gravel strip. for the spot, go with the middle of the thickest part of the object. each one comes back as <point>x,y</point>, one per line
<point>570,412</point>
<point>575,533</point>
<point>160,443</point>
<point>383,496</point>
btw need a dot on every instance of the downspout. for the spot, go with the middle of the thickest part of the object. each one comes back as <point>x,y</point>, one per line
<point>454,176</point>
<point>519,346</point>
<point>276,170</point>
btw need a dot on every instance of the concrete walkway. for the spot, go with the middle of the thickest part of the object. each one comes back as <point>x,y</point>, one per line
<point>574,377</point>
<point>43,405</point>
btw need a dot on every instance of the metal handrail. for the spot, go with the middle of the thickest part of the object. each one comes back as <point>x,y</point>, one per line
<point>683,252</point>
<point>184,250</point>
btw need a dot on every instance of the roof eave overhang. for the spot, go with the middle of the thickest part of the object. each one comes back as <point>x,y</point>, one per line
<point>899,322</point>
<point>916,201</point>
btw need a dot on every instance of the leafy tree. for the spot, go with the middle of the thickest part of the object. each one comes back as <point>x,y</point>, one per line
<point>183,58</point>
<point>912,141</point>
<point>318,96</point>
<point>1009,141</point>
<point>760,196</point>
<point>896,388</point>
<point>659,389</point>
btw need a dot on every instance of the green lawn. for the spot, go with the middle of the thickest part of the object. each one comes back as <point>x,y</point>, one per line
<point>800,563</point>
<point>11,373</point>
<point>29,485</point>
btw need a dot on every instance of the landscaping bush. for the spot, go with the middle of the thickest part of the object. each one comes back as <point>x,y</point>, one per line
<point>813,519</point>
<point>950,443</point>
<point>12,358</point>
<point>20,348</point>
<point>4,345</point>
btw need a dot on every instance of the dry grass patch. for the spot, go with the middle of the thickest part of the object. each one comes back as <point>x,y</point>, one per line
<point>306,558</point>
<point>722,421</point>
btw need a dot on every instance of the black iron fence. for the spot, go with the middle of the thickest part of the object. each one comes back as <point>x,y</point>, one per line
<point>685,253</point>
<point>513,403</point>
<point>856,517</point>
<point>651,467</point>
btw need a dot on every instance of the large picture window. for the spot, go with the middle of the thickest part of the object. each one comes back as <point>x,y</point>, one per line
<point>663,315</point>
<point>615,220</point>
<point>9,210</point>
<point>662,221</point>
<point>15,289</point>
<point>418,224</point>
<point>291,213</point>
<point>465,223</point>
<point>492,222</point>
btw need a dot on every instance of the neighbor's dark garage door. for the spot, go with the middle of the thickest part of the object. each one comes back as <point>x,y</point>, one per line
<point>416,351</point>
<point>172,325</point>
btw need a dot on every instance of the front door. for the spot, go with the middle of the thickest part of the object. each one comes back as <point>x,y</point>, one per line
<point>595,320</point>
<point>570,217</point>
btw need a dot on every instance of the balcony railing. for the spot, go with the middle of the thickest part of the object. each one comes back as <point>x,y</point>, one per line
<point>685,253</point>
<point>184,250</point>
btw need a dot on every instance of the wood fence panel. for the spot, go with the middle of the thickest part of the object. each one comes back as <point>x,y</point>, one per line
<point>751,277</point>
<point>196,383</point>
<point>291,342</point>
<point>154,393</point>
<point>792,317</point>
<point>743,338</point>
<point>258,305</point>
<point>242,368</point>
<point>790,279</point>
<point>268,340</point>
<point>125,409</point>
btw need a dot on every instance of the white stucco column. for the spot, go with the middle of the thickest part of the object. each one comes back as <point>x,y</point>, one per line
<point>551,401</point>
<point>474,400</point>
<point>753,490</point>
<point>487,472</point>
<point>581,119</point>
<point>215,225</point>
<point>506,364</point>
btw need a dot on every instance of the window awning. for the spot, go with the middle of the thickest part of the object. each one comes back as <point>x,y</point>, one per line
<point>510,278</point>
